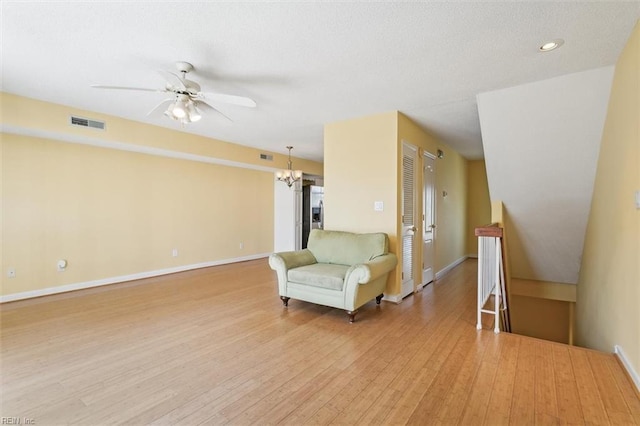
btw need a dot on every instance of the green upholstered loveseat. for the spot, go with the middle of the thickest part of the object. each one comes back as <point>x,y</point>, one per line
<point>339,269</point>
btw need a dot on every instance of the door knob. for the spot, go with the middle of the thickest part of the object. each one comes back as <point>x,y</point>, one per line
<point>414,229</point>
<point>432,226</point>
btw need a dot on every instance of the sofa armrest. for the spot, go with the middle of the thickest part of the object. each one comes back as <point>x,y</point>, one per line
<point>283,261</point>
<point>291,259</point>
<point>369,271</point>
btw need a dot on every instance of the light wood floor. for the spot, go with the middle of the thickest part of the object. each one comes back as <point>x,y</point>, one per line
<point>215,346</point>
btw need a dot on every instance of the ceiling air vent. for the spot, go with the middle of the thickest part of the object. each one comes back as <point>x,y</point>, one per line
<point>85,122</point>
<point>267,157</point>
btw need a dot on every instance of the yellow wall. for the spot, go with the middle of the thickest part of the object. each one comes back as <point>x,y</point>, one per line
<point>478,203</point>
<point>363,164</point>
<point>608,295</point>
<point>111,212</point>
<point>540,318</point>
<point>19,112</point>
<point>451,211</point>
<point>360,168</point>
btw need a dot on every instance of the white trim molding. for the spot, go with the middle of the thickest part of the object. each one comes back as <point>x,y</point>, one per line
<point>627,366</point>
<point>123,278</point>
<point>395,298</point>
<point>444,271</point>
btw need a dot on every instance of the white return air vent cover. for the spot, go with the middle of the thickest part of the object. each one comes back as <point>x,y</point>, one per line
<point>85,122</point>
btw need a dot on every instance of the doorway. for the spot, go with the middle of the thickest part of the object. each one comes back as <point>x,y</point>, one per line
<point>428,217</point>
<point>409,163</point>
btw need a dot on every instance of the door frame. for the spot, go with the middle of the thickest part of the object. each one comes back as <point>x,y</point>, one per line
<point>433,157</point>
<point>416,225</point>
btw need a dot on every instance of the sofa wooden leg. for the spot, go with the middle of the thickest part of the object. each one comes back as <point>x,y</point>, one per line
<point>379,298</point>
<point>352,315</point>
<point>285,300</point>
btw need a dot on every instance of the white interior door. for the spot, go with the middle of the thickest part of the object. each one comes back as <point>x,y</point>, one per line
<point>428,218</point>
<point>409,161</point>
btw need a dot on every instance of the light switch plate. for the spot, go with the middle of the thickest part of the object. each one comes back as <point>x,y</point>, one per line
<point>378,206</point>
<point>637,199</point>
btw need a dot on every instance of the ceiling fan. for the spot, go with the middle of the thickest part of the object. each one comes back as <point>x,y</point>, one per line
<point>186,98</point>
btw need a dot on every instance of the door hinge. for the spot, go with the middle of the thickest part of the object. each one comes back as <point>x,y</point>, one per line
<point>402,276</point>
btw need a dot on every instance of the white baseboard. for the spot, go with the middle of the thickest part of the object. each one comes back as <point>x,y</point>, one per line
<point>627,366</point>
<point>395,298</point>
<point>472,256</point>
<point>444,271</point>
<point>122,278</point>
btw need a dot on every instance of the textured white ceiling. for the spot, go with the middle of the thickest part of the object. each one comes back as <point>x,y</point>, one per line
<point>305,64</point>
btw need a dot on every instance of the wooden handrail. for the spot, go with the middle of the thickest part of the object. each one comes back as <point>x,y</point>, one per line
<point>491,230</point>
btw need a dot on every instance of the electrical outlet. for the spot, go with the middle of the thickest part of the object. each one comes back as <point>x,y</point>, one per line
<point>11,272</point>
<point>174,252</point>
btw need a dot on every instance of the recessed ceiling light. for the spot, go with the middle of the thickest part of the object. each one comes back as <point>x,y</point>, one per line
<point>551,45</point>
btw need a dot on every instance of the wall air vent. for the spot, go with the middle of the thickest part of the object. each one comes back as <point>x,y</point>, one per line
<point>85,122</point>
<point>267,157</point>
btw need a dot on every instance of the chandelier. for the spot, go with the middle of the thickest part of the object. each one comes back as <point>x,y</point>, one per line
<point>183,110</point>
<point>289,176</point>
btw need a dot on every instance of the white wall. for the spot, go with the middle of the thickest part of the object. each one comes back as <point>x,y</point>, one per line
<point>284,238</point>
<point>541,143</point>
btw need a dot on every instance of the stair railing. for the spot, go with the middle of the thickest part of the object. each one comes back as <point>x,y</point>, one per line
<point>491,277</point>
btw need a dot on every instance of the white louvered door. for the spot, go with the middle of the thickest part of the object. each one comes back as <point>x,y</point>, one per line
<point>409,164</point>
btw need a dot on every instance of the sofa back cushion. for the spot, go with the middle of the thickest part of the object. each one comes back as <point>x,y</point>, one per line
<point>346,248</point>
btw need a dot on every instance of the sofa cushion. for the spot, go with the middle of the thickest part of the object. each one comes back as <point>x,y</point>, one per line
<point>346,248</point>
<point>324,275</point>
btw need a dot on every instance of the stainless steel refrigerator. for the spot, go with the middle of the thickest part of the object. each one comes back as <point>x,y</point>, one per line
<point>312,210</point>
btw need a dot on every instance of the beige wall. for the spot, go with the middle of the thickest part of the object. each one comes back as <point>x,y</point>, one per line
<point>360,158</point>
<point>540,318</point>
<point>451,211</point>
<point>363,164</point>
<point>451,176</point>
<point>19,112</point>
<point>608,295</point>
<point>112,212</point>
<point>478,203</point>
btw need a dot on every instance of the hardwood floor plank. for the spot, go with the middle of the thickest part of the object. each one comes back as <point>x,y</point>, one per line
<point>449,412</point>
<point>419,382</point>
<point>626,387</point>
<point>592,407</point>
<point>522,407</point>
<point>499,405</point>
<point>612,398</point>
<point>569,408</point>
<point>546,399</point>
<point>216,346</point>
<point>475,409</point>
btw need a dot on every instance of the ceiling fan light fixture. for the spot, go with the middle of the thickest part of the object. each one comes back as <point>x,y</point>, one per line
<point>193,112</point>
<point>180,108</point>
<point>186,96</point>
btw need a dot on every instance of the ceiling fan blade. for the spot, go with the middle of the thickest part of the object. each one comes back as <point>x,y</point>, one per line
<point>229,99</point>
<point>162,104</point>
<point>100,86</point>
<point>205,106</point>
<point>173,79</point>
